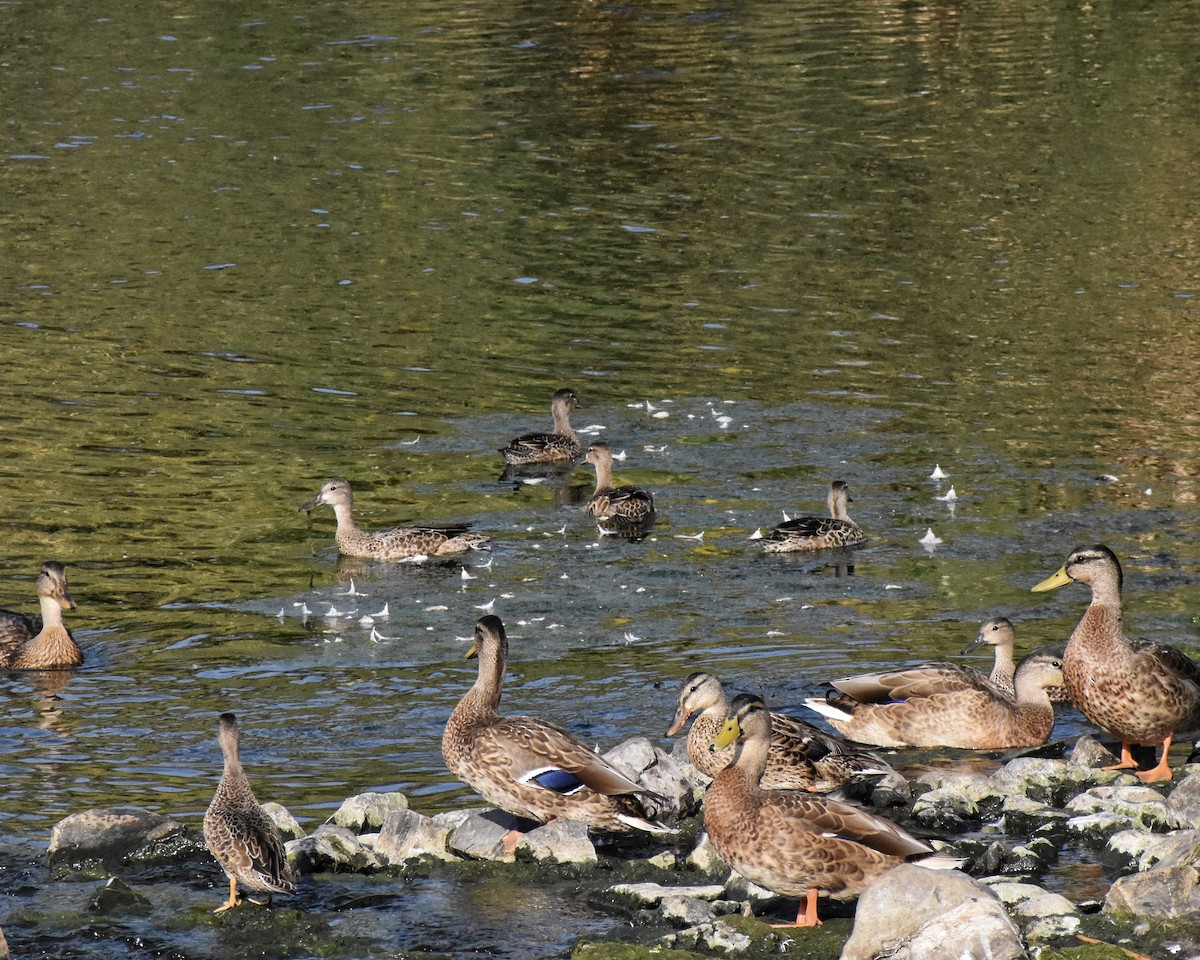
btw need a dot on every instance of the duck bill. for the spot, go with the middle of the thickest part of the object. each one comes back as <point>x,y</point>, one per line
<point>978,642</point>
<point>681,716</point>
<point>314,502</point>
<point>66,601</point>
<point>729,733</point>
<point>1059,578</point>
<point>472,653</point>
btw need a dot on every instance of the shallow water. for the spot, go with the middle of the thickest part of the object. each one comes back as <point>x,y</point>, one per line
<point>254,250</point>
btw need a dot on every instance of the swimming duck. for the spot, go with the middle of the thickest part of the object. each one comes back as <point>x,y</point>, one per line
<point>951,706</point>
<point>396,543</point>
<point>1140,692</point>
<point>818,533</point>
<point>529,767</point>
<point>801,757</point>
<point>245,841</point>
<point>792,842</point>
<point>623,506</point>
<point>554,447</point>
<point>29,642</point>
<point>1000,634</point>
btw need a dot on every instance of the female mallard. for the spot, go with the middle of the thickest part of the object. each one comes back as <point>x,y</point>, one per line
<point>41,643</point>
<point>817,533</point>
<point>1140,692</point>
<point>998,632</point>
<point>245,841</point>
<point>951,706</point>
<point>801,758</point>
<point>529,767</point>
<point>556,447</point>
<point>397,543</point>
<point>626,506</point>
<point>791,842</point>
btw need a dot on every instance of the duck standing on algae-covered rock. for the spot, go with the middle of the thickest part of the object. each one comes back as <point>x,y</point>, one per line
<point>30,642</point>
<point>529,767</point>
<point>793,842</point>
<point>245,841</point>
<point>398,543</point>
<point>1140,692</point>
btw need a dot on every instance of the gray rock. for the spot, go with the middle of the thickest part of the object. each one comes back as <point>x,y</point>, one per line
<point>368,810</point>
<point>331,849</point>
<point>1047,781</point>
<point>1090,752</point>
<point>1140,851</point>
<point>563,841</point>
<point>945,808</point>
<point>912,913</point>
<point>287,824</point>
<point>652,894</point>
<point>1161,894</point>
<point>891,790</point>
<point>1049,916</point>
<point>718,936</point>
<point>1141,806</point>
<point>408,835</point>
<point>706,859</point>
<point>685,911</point>
<point>1183,803</point>
<point>112,836</point>
<point>480,835</point>
<point>1098,827</point>
<point>660,772</point>
<point>1020,816</point>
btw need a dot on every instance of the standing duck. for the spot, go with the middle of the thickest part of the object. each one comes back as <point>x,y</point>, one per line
<point>1140,692</point>
<point>397,543</point>
<point>30,642</point>
<point>818,533</point>
<point>801,757</point>
<point>245,841</point>
<point>951,706</point>
<point>556,447</point>
<point>627,506</point>
<point>527,766</point>
<point>791,842</point>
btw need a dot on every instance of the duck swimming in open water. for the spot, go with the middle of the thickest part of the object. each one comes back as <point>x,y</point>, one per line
<point>31,642</point>
<point>555,447</point>
<point>818,533</point>
<point>627,506</point>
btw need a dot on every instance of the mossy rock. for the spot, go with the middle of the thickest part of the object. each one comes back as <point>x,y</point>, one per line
<point>617,950</point>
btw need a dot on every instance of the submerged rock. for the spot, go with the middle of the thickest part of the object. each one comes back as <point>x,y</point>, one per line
<point>117,897</point>
<point>912,913</point>
<point>113,836</point>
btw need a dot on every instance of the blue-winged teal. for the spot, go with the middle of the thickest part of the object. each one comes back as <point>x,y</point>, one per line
<point>624,506</point>
<point>556,447</point>
<point>818,533</point>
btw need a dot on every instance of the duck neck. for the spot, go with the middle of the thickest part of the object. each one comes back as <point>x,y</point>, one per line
<point>751,758</point>
<point>603,475</point>
<point>837,508</point>
<point>346,527</point>
<point>483,699</point>
<point>1004,667</point>
<point>562,422</point>
<point>1101,626</point>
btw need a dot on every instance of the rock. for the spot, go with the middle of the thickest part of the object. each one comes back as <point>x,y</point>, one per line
<point>660,772</point>
<point>117,897</point>
<point>685,911</point>
<point>121,835</point>
<point>945,809</point>
<point>912,913</point>
<point>664,860</point>
<point>1183,803</point>
<point>630,951</point>
<point>331,849</point>
<point>563,841</point>
<point>652,894</point>
<point>1043,916</point>
<point>722,936</point>
<point>368,810</point>
<point>1047,781</point>
<point>408,835</point>
<point>706,859</point>
<point>1090,752</point>
<point>1020,816</point>
<point>1164,893</point>
<point>1141,806</point>
<point>286,823</point>
<point>891,790</point>
<point>480,835</point>
<point>1141,851</point>
<point>1097,827</point>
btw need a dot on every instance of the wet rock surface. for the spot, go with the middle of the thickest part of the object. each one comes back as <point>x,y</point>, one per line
<point>675,897</point>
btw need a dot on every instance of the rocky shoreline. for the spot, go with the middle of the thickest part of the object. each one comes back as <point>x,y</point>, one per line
<point>1013,826</point>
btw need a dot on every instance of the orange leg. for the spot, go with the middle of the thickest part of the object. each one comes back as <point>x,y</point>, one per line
<point>1125,763</point>
<point>510,841</point>
<point>806,916</point>
<point>232,901</point>
<point>1160,773</point>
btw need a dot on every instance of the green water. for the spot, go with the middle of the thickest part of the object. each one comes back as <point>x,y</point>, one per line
<point>249,247</point>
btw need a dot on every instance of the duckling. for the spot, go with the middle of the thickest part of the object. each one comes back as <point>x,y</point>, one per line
<point>818,533</point>
<point>627,506</point>
<point>801,758</point>
<point>245,841</point>
<point>397,543</point>
<point>51,647</point>
<point>951,706</point>
<point>529,767</point>
<point>791,842</point>
<point>555,447</point>
<point>1140,692</point>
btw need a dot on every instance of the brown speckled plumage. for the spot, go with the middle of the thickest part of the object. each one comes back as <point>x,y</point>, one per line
<point>944,705</point>
<point>42,643</point>
<point>527,766</point>
<point>555,447</point>
<point>397,543</point>
<point>626,506</point>
<point>801,758</point>
<point>818,533</point>
<point>792,842</point>
<point>999,633</point>
<point>245,841</point>
<point>1140,692</point>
